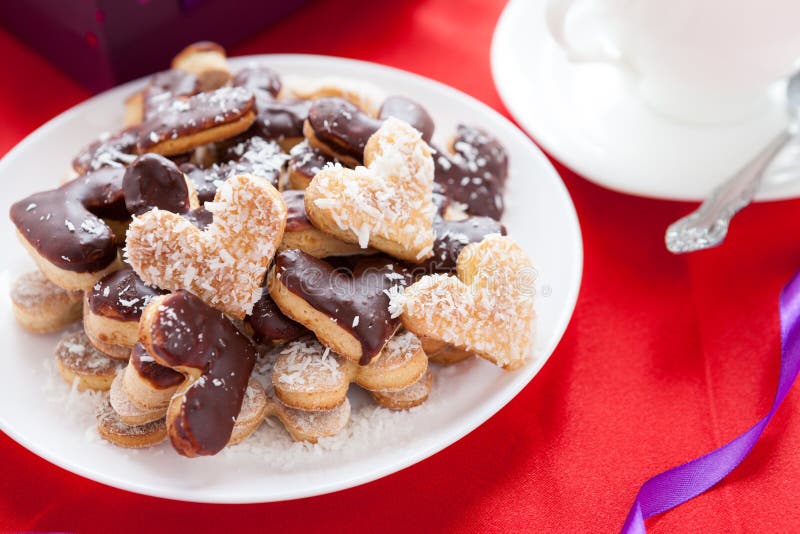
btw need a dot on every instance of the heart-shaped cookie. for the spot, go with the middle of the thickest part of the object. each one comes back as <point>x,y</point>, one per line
<point>225,263</point>
<point>388,204</point>
<point>487,309</point>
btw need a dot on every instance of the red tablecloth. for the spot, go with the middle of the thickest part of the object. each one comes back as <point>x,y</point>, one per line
<point>666,357</point>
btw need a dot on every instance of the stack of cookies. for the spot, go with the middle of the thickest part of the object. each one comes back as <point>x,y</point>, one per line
<point>314,230</point>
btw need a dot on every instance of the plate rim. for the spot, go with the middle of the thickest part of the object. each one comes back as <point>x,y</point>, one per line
<point>424,449</point>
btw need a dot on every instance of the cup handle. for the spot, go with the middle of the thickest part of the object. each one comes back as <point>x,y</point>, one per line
<point>556,14</point>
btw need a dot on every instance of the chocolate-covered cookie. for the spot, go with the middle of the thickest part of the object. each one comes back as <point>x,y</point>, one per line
<point>348,311</point>
<point>185,123</point>
<point>64,231</point>
<point>180,331</point>
<point>112,309</point>
<point>270,325</point>
<point>453,236</point>
<point>340,129</point>
<point>109,150</point>
<point>474,172</point>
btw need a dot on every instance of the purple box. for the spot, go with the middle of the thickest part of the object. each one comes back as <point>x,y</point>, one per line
<point>102,43</point>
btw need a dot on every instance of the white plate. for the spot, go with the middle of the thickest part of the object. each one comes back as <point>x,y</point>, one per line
<point>37,410</point>
<point>589,117</point>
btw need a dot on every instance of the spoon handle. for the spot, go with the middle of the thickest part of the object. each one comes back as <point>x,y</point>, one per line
<point>707,226</point>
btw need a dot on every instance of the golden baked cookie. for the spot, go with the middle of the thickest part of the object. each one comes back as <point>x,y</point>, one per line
<point>207,61</point>
<point>128,412</point>
<point>111,311</point>
<point>111,428</point>
<point>77,359</point>
<point>348,310</point>
<point>41,306</point>
<point>408,397</point>
<point>309,425</point>
<point>254,409</point>
<point>309,376</point>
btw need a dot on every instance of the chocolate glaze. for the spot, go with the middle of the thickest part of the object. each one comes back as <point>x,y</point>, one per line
<point>115,150</point>
<point>205,180</point>
<point>185,116</point>
<point>185,332</point>
<point>258,78</point>
<point>200,217</point>
<point>308,160</point>
<point>296,220</point>
<point>409,111</point>
<point>254,152</point>
<point>280,119</point>
<point>276,119</point>
<point>250,155</point>
<point>121,295</point>
<point>157,375</point>
<point>164,87</point>
<point>476,174</point>
<point>369,267</point>
<point>270,325</point>
<point>453,236</point>
<point>342,126</point>
<point>343,295</point>
<point>346,129</point>
<point>64,224</point>
<point>154,181</point>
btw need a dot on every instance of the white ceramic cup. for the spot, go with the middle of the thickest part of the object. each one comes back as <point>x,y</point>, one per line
<point>703,61</point>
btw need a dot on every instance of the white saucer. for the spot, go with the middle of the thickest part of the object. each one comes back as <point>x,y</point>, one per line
<point>38,410</point>
<point>589,117</point>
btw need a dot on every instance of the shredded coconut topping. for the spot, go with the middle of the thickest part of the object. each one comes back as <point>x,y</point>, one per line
<point>305,364</point>
<point>33,290</point>
<point>390,199</point>
<point>488,309</point>
<point>224,264</point>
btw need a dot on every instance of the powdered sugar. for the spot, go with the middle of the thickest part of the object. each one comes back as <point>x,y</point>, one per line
<point>76,353</point>
<point>33,289</point>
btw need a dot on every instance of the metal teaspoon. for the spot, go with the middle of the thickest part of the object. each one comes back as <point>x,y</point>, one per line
<point>707,226</point>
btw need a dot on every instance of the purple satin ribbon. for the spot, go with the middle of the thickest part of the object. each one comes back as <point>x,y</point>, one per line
<point>676,486</point>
